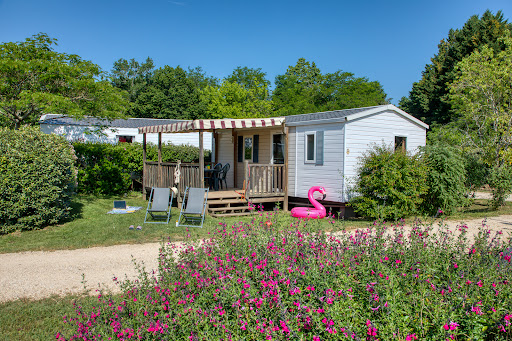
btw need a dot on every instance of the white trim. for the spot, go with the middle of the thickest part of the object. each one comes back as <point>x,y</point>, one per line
<point>384,108</point>
<point>359,115</point>
<point>343,181</point>
<point>306,134</point>
<point>296,161</point>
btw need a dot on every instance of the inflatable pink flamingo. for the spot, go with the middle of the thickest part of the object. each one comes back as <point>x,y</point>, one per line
<point>314,213</point>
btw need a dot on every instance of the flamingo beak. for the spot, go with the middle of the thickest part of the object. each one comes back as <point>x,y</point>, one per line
<point>323,198</point>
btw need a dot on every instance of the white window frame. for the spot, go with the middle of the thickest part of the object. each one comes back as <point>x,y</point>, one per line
<point>306,134</point>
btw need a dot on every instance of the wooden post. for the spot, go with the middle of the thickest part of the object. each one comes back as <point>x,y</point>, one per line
<point>246,178</point>
<point>234,136</point>
<point>160,174</point>
<point>144,173</point>
<point>201,160</point>
<point>285,170</point>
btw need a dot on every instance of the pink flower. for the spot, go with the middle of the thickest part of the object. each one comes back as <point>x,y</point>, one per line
<point>411,337</point>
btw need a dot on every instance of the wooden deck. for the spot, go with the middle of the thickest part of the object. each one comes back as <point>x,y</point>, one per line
<point>232,202</point>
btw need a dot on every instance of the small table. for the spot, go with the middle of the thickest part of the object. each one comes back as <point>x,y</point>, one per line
<point>212,174</point>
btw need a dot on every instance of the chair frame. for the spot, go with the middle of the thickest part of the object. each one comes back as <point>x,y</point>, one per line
<point>196,217</point>
<point>158,216</point>
<point>222,175</point>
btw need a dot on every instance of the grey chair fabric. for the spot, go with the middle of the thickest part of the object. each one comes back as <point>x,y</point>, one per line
<point>193,207</point>
<point>160,201</point>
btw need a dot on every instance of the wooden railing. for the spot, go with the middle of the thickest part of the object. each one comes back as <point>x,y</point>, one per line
<point>163,176</point>
<point>262,179</point>
<point>265,179</point>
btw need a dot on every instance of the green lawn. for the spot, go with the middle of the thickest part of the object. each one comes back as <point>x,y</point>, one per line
<point>38,320</point>
<point>90,225</point>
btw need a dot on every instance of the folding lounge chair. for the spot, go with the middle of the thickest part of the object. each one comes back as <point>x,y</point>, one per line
<point>193,207</point>
<point>160,201</point>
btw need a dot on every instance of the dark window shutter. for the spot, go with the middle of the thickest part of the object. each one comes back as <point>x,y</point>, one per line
<point>240,149</point>
<point>255,148</point>
<point>319,147</point>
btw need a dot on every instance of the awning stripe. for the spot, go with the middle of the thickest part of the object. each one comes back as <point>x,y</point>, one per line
<point>213,124</point>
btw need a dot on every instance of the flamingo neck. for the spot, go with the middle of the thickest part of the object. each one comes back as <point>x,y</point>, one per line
<point>313,201</point>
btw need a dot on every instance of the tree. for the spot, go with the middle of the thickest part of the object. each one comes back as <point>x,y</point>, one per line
<point>428,99</point>
<point>342,90</point>
<point>298,91</point>
<point>482,94</point>
<point>235,101</point>
<point>201,79</point>
<point>303,89</point>
<point>170,94</point>
<point>131,76</point>
<point>251,79</point>
<point>35,79</point>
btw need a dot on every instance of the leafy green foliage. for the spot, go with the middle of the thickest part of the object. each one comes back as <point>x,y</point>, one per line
<point>303,89</point>
<point>428,99</point>
<point>482,94</point>
<point>169,94</point>
<point>37,179</point>
<point>35,80</point>
<point>107,169</point>
<point>251,79</point>
<point>131,76</point>
<point>389,184</point>
<point>232,100</point>
<point>446,180</point>
<point>500,181</point>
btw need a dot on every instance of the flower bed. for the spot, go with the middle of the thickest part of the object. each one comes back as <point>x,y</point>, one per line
<point>261,280</point>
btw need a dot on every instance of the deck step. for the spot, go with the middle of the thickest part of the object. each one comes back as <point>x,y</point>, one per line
<point>220,215</point>
<point>229,208</point>
<point>226,201</point>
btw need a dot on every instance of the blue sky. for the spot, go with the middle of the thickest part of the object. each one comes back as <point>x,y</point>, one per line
<point>386,41</point>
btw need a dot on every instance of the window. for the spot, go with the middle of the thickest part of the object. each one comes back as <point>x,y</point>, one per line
<point>310,147</point>
<point>278,149</point>
<point>248,148</point>
<point>401,143</point>
<point>127,139</point>
<point>314,147</point>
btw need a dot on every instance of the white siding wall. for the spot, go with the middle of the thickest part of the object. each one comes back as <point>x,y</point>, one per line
<point>379,128</point>
<point>225,154</point>
<point>327,175</point>
<point>73,133</point>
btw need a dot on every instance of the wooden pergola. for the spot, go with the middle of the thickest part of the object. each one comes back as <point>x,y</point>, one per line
<point>193,174</point>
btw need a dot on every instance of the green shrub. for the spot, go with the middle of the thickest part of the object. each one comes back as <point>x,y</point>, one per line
<point>37,179</point>
<point>477,171</point>
<point>446,177</point>
<point>108,168</point>
<point>500,181</point>
<point>389,184</point>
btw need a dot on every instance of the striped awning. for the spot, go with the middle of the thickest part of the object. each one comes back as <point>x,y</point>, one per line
<point>197,125</point>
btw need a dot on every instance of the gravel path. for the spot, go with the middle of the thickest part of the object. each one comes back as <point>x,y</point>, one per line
<point>40,274</point>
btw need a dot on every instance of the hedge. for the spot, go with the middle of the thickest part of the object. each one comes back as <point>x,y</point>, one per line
<point>37,179</point>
